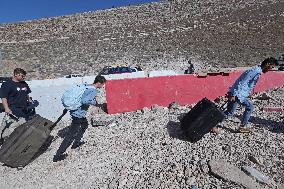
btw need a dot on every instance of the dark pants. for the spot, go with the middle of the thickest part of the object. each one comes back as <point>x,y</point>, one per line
<point>74,134</point>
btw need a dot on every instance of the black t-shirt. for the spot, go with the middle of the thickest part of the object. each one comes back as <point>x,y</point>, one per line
<point>16,94</point>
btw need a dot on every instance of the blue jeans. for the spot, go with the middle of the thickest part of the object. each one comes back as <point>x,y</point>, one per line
<point>232,106</point>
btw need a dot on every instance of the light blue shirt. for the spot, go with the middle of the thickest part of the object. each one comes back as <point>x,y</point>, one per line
<point>88,98</point>
<point>244,85</point>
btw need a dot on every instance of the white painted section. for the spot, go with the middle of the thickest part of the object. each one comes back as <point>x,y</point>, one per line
<point>49,92</point>
<point>61,81</point>
<point>162,73</point>
<point>49,98</point>
<point>140,74</point>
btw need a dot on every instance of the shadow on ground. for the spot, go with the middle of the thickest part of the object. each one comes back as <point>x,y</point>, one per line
<point>273,126</point>
<point>175,131</point>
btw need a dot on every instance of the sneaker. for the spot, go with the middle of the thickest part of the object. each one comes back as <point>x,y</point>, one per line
<point>244,130</point>
<point>77,144</point>
<point>60,157</point>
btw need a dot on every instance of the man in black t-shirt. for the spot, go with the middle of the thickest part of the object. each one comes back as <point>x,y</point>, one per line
<point>15,98</point>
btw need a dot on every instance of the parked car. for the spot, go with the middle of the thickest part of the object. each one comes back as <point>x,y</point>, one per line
<point>73,75</point>
<point>118,69</point>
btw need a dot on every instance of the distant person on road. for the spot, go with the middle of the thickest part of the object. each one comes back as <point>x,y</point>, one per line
<point>190,69</point>
<point>79,121</point>
<point>15,99</point>
<point>243,87</point>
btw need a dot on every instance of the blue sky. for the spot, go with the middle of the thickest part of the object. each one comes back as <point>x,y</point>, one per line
<point>21,10</point>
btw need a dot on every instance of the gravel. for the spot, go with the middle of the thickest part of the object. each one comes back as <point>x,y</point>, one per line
<point>146,149</point>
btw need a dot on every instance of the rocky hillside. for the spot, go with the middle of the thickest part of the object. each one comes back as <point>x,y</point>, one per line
<point>161,35</point>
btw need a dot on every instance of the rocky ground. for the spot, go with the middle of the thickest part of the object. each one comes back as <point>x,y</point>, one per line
<point>146,149</point>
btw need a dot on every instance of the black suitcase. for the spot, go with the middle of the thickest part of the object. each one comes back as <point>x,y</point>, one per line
<point>201,119</point>
<point>24,143</point>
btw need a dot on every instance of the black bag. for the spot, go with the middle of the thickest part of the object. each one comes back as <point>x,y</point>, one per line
<point>201,119</point>
<point>22,146</point>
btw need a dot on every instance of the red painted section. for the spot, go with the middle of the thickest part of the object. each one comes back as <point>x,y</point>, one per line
<point>270,80</point>
<point>272,109</point>
<point>134,94</point>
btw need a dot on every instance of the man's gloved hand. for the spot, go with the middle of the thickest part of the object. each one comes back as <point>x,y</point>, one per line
<point>30,111</point>
<point>35,103</point>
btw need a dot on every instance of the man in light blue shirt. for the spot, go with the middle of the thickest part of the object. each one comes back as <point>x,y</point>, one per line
<point>242,88</point>
<point>79,122</point>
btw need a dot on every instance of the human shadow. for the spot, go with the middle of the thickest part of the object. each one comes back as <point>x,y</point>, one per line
<point>273,126</point>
